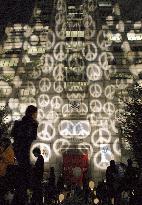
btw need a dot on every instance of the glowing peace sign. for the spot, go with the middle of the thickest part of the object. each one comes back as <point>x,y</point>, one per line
<point>94,72</point>
<point>88,20</point>
<point>60,52</point>
<point>56,102</point>
<point>50,39</point>
<point>44,148</point>
<point>89,32</point>
<point>61,31</point>
<point>31,88</point>
<point>95,106</point>
<point>41,114</point>
<point>95,90</point>
<point>110,91</point>
<point>59,18</point>
<point>60,144</point>
<point>58,72</point>
<point>83,109</point>
<point>116,147</point>
<point>101,43</point>
<point>48,63</point>
<point>66,110</point>
<point>58,87</point>
<point>92,118</point>
<point>90,51</point>
<point>43,100</point>
<point>44,85</point>
<point>109,108</point>
<point>103,61</point>
<point>91,6</point>
<point>46,131</point>
<point>61,6</point>
<point>100,136</point>
<point>101,164</point>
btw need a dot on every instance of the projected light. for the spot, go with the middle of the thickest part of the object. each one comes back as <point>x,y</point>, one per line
<point>44,85</point>
<point>100,136</point>
<point>56,102</point>
<point>45,151</point>
<point>94,72</point>
<point>95,90</point>
<point>60,52</point>
<point>46,131</point>
<point>50,39</point>
<point>48,63</point>
<point>95,106</point>
<point>90,51</point>
<point>80,129</point>
<point>43,100</point>
<point>13,103</point>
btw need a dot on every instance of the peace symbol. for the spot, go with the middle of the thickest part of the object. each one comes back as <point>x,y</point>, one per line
<point>48,63</point>
<point>94,72</point>
<point>60,52</point>
<point>66,110</point>
<point>87,21</point>
<point>61,31</point>
<point>61,6</point>
<point>58,87</point>
<point>56,102</point>
<point>44,85</point>
<point>95,106</point>
<point>58,72</point>
<point>41,114</point>
<point>59,18</point>
<point>45,151</point>
<point>109,108</point>
<point>99,163</point>
<point>110,92</point>
<point>46,131</point>
<point>100,136</point>
<point>43,100</point>
<point>50,40</point>
<point>101,43</point>
<point>90,51</point>
<point>95,90</point>
<point>83,109</point>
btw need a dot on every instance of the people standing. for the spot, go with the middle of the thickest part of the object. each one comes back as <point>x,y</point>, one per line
<point>24,133</point>
<point>38,171</point>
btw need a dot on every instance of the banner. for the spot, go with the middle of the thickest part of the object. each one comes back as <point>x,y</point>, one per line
<point>74,165</point>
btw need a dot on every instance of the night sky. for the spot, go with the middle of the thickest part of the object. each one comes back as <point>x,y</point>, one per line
<point>20,11</point>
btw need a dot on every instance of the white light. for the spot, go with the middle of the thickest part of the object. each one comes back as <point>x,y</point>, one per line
<point>59,145</point>
<point>46,131</point>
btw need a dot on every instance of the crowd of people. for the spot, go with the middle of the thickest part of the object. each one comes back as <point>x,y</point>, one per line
<point>23,184</point>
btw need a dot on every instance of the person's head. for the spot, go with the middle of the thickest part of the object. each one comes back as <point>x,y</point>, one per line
<point>130,162</point>
<point>112,163</point>
<point>31,111</point>
<point>36,152</point>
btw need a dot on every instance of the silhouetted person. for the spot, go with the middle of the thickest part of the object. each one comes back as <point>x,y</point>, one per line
<point>130,175</point>
<point>38,177</point>
<point>113,184</point>
<point>51,188</point>
<point>60,184</point>
<point>24,133</point>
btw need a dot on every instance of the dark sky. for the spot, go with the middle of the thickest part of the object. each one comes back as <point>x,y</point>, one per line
<point>20,11</point>
<point>15,11</point>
